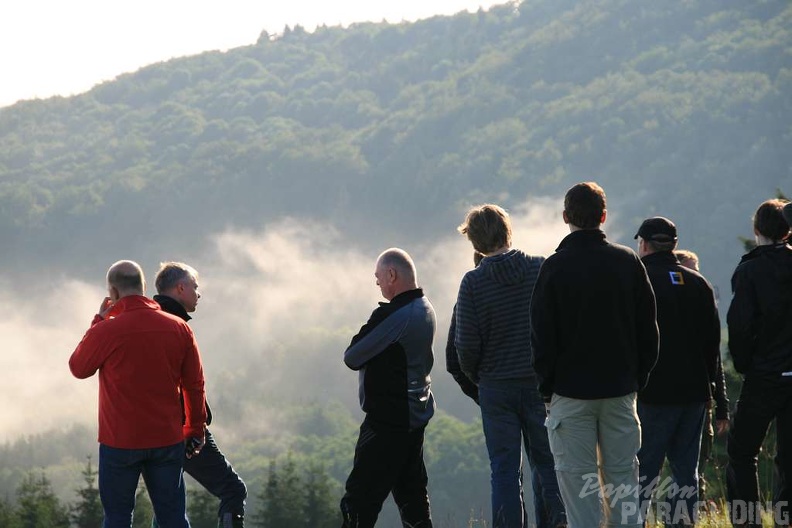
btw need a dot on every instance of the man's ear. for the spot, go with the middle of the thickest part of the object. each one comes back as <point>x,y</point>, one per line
<point>604,216</point>
<point>565,217</point>
<point>113,293</point>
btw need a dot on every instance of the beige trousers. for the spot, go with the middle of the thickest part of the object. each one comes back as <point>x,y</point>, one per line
<point>595,445</point>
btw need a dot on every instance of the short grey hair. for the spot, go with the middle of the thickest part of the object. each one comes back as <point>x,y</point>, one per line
<point>399,260</point>
<point>127,277</point>
<point>171,274</point>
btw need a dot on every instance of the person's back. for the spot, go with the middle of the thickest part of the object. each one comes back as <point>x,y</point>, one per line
<point>760,343</point>
<point>606,344</point>
<point>760,325</point>
<point>501,288</point>
<point>672,407</point>
<point>493,343</point>
<point>145,358</point>
<point>594,341</point>
<point>148,353</point>
<point>689,333</point>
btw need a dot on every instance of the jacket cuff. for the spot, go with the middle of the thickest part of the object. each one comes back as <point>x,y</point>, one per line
<point>193,432</point>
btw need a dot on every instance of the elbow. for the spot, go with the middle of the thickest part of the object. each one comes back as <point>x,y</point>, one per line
<point>350,362</point>
<point>80,374</point>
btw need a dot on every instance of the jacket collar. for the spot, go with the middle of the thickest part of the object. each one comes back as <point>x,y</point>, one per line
<point>583,238</point>
<point>132,302</point>
<point>758,251</point>
<point>660,257</point>
<point>406,297</point>
<point>172,306</point>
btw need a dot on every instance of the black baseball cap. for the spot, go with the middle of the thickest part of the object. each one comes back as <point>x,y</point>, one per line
<point>658,229</point>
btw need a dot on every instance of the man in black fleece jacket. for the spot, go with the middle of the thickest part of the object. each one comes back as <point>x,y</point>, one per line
<point>672,406</point>
<point>493,342</point>
<point>595,341</point>
<point>760,343</point>
<point>177,294</point>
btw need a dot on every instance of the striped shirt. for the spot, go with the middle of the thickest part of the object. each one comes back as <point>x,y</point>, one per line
<point>493,337</point>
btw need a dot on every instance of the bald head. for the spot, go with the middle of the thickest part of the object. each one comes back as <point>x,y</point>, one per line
<point>125,277</point>
<point>395,272</point>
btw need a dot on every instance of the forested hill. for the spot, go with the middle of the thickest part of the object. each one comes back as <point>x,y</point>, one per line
<point>388,130</point>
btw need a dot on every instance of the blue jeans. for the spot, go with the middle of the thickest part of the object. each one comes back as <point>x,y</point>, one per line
<point>119,472</point>
<point>512,412</point>
<point>672,431</point>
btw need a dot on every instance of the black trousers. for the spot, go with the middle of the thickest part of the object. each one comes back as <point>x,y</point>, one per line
<point>761,401</point>
<point>212,471</point>
<point>387,462</point>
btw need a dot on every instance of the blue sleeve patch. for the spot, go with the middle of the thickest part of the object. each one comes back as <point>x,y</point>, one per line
<point>676,278</point>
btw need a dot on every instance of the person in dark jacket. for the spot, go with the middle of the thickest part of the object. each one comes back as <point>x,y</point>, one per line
<point>493,342</point>
<point>716,417</point>
<point>673,404</point>
<point>760,343</point>
<point>595,341</point>
<point>177,294</point>
<point>467,386</point>
<point>393,354</point>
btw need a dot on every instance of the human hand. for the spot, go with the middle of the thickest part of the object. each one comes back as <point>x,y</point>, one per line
<point>105,307</point>
<point>193,446</point>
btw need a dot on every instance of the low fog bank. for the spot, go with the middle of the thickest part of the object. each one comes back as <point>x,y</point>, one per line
<point>278,308</point>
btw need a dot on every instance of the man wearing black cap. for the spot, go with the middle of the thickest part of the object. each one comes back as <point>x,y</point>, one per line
<point>672,405</point>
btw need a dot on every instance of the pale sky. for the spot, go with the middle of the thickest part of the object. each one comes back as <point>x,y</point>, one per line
<point>64,47</point>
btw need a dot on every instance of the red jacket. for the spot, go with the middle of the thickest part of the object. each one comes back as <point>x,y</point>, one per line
<point>144,356</point>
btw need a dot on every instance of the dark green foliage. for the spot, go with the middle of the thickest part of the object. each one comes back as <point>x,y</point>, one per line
<point>321,510</point>
<point>7,517</point>
<point>87,512</point>
<point>37,505</point>
<point>394,127</point>
<point>283,498</point>
<point>144,512</point>
<point>201,507</point>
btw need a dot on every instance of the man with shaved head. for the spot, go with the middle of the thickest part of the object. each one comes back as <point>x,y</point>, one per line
<point>144,357</point>
<point>393,355</point>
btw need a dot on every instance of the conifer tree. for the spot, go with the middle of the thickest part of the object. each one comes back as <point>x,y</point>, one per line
<point>37,505</point>
<point>87,512</point>
<point>283,503</point>
<point>7,517</point>
<point>201,508</point>
<point>320,508</point>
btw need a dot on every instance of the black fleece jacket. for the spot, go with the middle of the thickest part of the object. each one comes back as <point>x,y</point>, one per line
<point>593,320</point>
<point>689,333</point>
<point>760,314</point>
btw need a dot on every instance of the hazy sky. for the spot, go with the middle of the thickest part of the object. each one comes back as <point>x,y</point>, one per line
<point>54,47</point>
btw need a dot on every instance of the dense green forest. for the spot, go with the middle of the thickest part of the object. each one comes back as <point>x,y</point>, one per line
<point>382,134</point>
<point>389,130</point>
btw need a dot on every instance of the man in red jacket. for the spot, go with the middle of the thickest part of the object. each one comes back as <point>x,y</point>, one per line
<point>143,356</point>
